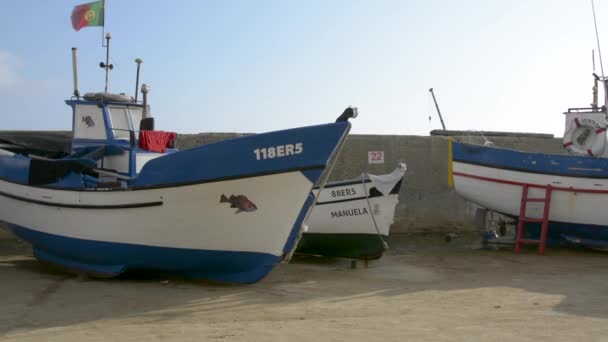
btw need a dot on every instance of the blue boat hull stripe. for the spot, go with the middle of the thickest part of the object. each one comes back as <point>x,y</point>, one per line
<point>535,163</point>
<point>84,206</point>
<point>109,259</point>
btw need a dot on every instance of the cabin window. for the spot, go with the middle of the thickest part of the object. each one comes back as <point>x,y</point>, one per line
<point>88,122</point>
<point>119,117</point>
<point>136,114</point>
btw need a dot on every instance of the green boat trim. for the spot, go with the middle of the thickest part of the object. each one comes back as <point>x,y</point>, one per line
<point>351,246</point>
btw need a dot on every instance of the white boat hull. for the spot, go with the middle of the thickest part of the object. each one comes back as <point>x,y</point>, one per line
<point>185,218</point>
<point>351,220</point>
<point>501,190</point>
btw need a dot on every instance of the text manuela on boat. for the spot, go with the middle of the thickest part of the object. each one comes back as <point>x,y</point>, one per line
<point>124,198</point>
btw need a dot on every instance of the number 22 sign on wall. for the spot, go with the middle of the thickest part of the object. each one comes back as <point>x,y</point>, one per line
<point>375,157</point>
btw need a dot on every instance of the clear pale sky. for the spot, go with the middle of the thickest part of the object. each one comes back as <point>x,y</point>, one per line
<point>256,66</point>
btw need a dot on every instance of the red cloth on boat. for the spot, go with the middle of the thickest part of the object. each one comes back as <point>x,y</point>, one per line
<point>156,141</point>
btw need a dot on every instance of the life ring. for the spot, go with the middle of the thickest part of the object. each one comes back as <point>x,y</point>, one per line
<point>589,127</point>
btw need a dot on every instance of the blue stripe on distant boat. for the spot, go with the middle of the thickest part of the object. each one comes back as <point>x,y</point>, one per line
<point>112,258</point>
<point>549,164</point>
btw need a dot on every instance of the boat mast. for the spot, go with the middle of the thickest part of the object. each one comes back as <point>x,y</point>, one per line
<point>599,51</point>
<point>438,111</point>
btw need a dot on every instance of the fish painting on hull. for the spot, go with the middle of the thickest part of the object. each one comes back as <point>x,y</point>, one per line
<point>239,201</point>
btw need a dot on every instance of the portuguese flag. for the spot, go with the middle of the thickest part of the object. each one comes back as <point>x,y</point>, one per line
<point>90,14</point>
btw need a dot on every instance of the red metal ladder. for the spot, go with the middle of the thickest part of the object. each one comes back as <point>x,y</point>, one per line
<point>542,242</point>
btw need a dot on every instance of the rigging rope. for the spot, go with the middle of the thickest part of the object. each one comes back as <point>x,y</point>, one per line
<point>371,213</point>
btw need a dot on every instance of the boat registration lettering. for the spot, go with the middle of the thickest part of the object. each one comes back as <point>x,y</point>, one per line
<point>278,151</point>
<point>343,192</point>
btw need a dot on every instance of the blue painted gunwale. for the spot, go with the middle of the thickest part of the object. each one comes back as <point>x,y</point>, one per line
<point>550,164</point>
<point>235,158</point>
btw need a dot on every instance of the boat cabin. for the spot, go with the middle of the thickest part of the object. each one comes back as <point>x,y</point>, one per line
<point>118,132</point>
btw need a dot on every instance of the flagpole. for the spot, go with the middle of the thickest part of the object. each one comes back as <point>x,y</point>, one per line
<point>107,37</point>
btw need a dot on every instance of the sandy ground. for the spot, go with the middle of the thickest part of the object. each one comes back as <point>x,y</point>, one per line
<point>440,294</point>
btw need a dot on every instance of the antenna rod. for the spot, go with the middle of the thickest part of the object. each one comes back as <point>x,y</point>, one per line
<point>75,71</point>
<point>438,111</point>
<point>597,38</point>
<point>145,89</point>
<point>138,61</point>
<point>599,51</point>
<point>595,81</point>
<point>595,88</point>
<point>107,66</point>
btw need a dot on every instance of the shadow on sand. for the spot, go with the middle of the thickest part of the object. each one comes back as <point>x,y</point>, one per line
<point>36,296</point>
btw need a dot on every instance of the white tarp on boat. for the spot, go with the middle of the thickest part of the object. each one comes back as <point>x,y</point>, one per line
<point>386,183</point>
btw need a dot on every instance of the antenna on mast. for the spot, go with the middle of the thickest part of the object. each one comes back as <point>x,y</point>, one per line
<point>106,65</point>
<point>138,61</point>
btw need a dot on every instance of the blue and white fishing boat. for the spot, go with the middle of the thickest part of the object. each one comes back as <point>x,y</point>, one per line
<point>553,198</point>
<point>124,198</point>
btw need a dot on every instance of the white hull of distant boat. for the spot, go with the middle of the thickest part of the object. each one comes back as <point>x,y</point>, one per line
<point>501,190</point>
<point>352,216</point>
<point>352,219</point>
